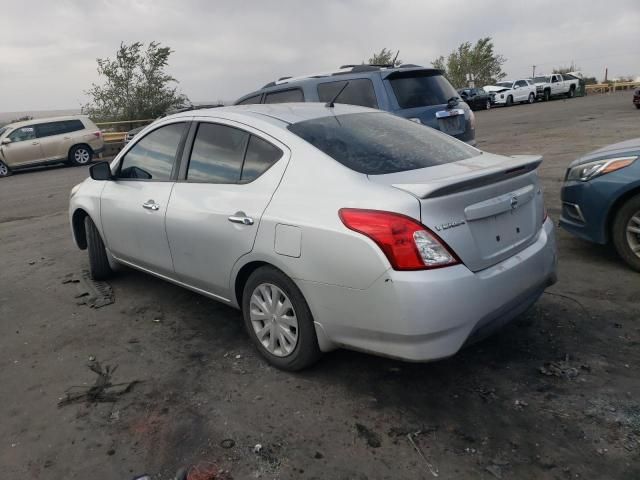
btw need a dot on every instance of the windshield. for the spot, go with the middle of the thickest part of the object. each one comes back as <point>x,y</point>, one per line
<point>542,79</point>
<point>381,143</point>
<point>504,84</point>
<point>421,89</point>
<point>2,130</point>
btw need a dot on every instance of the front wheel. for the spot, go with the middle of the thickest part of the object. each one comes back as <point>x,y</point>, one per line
<point>509,101</point>
<point>532,98</point>
<point>99,266</point>
<point>4,169</point>
<point>80,155</point>
<point>279,321</point>
<point>626,232</point>
<point>487,105</point>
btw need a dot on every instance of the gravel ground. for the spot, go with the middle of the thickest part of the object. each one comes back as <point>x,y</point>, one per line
<point>554,395</point>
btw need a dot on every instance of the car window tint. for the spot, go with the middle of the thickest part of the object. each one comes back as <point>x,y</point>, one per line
<point>23,133</point>
<point>284,96</point>
<point>259,158</point>
<point>378,143</point>
<point>217,154</point>
<point>250,100</point>
<point>358,92</point>
<point>521,83</point>
<point>422,89</point>
<point>56,128</point>
<point>153,157</point>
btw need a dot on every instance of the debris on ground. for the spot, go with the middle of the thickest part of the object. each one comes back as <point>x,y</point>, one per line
<point>520,404</point>
<point>91,292</point>
<point>432,469</point>
<point>103,390</point>
<point>228,443</point>
<point>203,471</point>
<point>370,436</point>
<point>562,369</point>
<point>257,448</point>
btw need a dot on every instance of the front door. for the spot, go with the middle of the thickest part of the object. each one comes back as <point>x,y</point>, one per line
<point>133,206</point>
<point>23,148</point>
<point>214,213</point>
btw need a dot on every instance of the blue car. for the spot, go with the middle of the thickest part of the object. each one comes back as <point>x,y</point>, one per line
<point>601,199</point>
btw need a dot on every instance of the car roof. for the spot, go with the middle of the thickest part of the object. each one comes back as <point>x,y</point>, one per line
<point>37,121</point>
<point>286,113</point>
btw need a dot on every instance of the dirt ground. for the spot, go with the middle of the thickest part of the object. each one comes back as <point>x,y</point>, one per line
<point>555,395</point>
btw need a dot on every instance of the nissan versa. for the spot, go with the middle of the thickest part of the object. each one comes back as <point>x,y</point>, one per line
<point>328,226</point>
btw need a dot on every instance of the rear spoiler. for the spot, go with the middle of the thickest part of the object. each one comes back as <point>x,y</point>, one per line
<point>520,165</point>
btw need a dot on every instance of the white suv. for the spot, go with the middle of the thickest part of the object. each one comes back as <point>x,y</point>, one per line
<point>73,139</point>
<point>513,91</point>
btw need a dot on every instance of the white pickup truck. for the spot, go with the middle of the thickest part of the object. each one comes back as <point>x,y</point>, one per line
<point>554,85</point>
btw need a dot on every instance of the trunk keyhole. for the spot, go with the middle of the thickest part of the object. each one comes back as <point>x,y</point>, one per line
<point>517,229</point>
<point>497,238</point>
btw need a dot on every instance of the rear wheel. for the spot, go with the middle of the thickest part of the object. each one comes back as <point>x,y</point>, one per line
<point>571,93</point>
<point>279,321</point>
<point>487,105</point>
<point>626,232</point>
<point>80,155</point>
<point>547,95</point>
<point>509,101</point>
<point>638,105</point>
<point>532,98</point>
<point>99,266</point>
<point>4,170</point>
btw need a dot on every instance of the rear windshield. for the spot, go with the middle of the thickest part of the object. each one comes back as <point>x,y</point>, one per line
<point>422,89</point>
<point>376,143</point>
<point>543,79</point>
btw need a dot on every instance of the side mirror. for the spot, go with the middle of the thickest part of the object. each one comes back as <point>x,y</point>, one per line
<point>6,141</point>
<point>100,171</point>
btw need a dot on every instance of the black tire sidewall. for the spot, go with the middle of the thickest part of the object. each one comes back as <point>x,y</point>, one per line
<point>307,350</point>
<point>99,266</point>
<point>619,235</point>
<point>509,101</point>
<point>532,98</point>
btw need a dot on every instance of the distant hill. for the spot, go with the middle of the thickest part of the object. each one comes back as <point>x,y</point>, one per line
<point>6,117</point>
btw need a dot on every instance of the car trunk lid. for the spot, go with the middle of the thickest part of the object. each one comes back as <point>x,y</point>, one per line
<point>486,208</point>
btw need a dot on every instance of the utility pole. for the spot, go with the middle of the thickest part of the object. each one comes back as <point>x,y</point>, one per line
<point>533,73</point>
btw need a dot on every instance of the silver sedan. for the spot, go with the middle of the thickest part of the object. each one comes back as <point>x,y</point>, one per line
<point>327,226</point>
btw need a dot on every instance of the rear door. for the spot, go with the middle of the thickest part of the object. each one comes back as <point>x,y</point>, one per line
<point>24,147</point>
<point>56,138</point>
<point>229,176</point>
<point>134,205</point>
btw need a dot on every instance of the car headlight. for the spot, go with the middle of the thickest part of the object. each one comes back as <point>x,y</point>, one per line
<point>588,171</point>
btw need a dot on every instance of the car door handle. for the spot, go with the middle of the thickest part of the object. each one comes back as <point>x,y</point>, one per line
<point>151,205</point>
<point>241,218</point>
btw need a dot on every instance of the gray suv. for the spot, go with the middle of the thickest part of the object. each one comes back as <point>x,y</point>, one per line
<point>420,94</point>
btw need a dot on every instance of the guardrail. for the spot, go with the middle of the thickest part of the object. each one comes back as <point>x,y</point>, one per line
<point>610,87</point>
<point>115,132</point>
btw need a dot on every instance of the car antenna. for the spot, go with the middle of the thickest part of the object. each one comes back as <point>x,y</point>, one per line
<point>393,64</point>
<point>330,103</point>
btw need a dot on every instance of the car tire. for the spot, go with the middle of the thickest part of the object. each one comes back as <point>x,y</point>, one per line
<point>571,93</point>
<point>487,105</point>
<point>547,95</point>
<point>625,232</point>
<point>531,99</point>
<point>272,327</point>
<point>80,155</point>
<point>99,266</point>
<point>509,101</point>
<point>5,171</point>
<point>638,106</point>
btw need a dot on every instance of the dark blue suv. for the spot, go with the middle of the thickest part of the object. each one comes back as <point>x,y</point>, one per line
<point>420,94</point>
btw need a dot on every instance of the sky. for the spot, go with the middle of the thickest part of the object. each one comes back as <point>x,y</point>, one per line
<point>224,49</point>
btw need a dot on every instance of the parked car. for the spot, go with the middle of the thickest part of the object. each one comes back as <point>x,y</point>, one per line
<point>476,98</point>
<point>71,139</point>
<point>636,97</point>
<point>134,131</point>
<point>548,86</point>
<point>512,91</point>
<point>601,199</point>
<point>327,226</point>
<point>420,94</point>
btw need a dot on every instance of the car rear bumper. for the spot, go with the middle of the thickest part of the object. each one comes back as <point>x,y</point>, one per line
<point>427,315</point>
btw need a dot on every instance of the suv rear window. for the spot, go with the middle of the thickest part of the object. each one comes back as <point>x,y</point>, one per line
<point>421,89</point>
<point>377,143</point>
<point>284,96</point>
<point>358,92</point>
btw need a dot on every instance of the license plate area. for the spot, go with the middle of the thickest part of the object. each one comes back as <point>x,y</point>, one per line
<point>505,231</point>
<point>451,121</point>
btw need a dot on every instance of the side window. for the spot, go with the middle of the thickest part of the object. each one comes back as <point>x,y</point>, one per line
<point>22,134</point>
<point>358,92</point>
<point>73,125</point>
<point>521,83</point>
<point>284,96</point>
<point>259,158</point>
<point>250,100</point>
<point>555,79</point>
<point>153,157</point>
<point>217,154</point>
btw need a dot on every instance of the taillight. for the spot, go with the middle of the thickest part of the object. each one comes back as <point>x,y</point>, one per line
<point>408,244</point>
<point>98,133</point>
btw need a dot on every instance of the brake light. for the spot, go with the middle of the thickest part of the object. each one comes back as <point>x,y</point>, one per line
<point>98,133</point>
<point>407,244</point>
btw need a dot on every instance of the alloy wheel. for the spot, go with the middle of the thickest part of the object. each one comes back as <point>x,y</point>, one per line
<point>4,170</point>
<point>633,233</point>
<point>81,155</point>
<point>273,319</point>
<point>488,106</point>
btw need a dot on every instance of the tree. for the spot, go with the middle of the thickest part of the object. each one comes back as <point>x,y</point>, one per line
<point>480,60</point>
<point>385,57</point>
<point>136,85</point>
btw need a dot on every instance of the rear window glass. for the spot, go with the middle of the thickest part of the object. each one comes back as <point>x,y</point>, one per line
<point>250,100</point>
<point>422,90</point>
<point>378,143</point>
<point>358,92</point>
<point>58,128</point>
<point>284,96</point>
